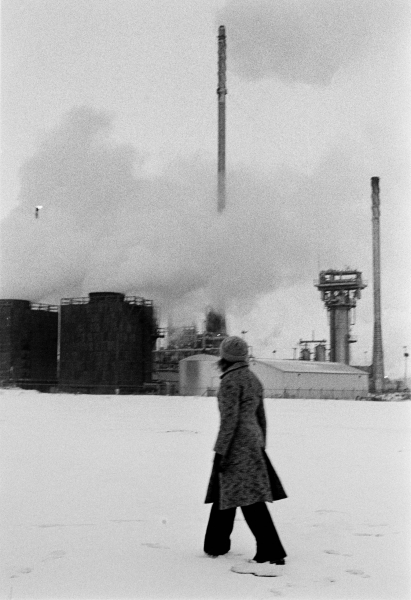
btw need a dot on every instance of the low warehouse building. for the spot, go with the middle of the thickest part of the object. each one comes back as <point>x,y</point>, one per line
<point>310,379</point>
<point>199,376</point>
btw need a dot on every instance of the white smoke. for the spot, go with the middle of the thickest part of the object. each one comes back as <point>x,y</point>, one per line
<point>106,227</point>
<point>306,41</point>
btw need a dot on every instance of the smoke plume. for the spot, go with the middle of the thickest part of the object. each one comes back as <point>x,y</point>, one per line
<point>305,41</point>
<point>106,227</point>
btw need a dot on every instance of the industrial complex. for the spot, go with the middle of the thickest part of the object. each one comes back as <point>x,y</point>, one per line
<point>112,343</point>
<point>107,343</point>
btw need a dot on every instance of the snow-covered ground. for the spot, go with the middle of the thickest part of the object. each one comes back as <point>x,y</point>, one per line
<point>102,497</point>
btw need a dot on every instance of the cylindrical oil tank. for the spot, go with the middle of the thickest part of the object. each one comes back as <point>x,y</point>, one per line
<point>305,354</point>
<point>14,340</point>
<point>106,342</point>
<point>28,342</point>
<point>320,353</point>
<point>91,341</point>
<point>44,341</point>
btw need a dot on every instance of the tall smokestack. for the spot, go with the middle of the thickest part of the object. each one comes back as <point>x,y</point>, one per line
<point>377,354</point>
<point>221,93</point>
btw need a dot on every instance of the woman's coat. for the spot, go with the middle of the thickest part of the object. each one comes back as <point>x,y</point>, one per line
<point>244,475</point>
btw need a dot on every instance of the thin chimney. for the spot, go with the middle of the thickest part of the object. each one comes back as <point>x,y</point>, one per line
<point>221,93</point>
<point>377,355</point>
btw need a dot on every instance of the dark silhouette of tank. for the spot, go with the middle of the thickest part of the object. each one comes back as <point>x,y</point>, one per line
<point>106,343</point>
<point>305,354</point>
<point>320,353</point>
<point>28,344</point>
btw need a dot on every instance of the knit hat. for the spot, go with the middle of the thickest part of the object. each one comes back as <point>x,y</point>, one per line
<point>234,349</point>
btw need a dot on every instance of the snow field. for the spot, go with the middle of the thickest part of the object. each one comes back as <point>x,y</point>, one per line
<point>102,497</point>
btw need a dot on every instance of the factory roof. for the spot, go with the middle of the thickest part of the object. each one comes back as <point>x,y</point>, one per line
<point>201,356</point>
<point>291,366</point>
<point>310,366</point>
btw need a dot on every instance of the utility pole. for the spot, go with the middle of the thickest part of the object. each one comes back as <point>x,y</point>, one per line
<point>221,94</point>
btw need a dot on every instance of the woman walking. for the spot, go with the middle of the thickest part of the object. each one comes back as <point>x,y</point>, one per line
<point>242,475</point>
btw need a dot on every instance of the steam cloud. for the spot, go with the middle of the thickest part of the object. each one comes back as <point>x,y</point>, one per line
<point>305,40</point>
<point>106,227</point>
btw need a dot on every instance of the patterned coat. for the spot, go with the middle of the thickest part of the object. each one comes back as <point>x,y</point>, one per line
<point>244,475</point>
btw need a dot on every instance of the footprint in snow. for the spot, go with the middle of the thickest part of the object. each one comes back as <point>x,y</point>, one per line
<point>50,525</point>
<point>154,545</point>
<point>324,511</point>
<point>126,520</point>
<point>336,553</point>
<point>23,571</point>
<point>180,431</point>
<point>54,555</point>
<point>357,572</point>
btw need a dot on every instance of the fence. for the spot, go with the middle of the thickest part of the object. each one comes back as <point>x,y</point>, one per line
<point>53,386</point>
<point>317,394</point>
<point>171,389</point>
<point>303,394</point>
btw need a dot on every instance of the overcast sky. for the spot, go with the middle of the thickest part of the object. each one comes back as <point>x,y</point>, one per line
<point>109,121</point>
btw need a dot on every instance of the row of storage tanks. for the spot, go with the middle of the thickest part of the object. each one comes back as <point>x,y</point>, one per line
<point>319,353</point>
<point>100,344</point>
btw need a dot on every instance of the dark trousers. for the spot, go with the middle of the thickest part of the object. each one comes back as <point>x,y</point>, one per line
<point>257,516</point>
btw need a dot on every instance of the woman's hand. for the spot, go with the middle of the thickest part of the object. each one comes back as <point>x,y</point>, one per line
<point>219,462</point>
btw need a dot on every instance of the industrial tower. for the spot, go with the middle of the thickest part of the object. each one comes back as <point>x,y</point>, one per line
<point>339,292</point>
<point>377,382</point>
<point>221,178</point>
<point>221,93</point>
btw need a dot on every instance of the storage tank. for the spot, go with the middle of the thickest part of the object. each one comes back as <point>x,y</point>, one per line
<point>44,343</point>
<point>28,343</point>
<point>305,354</point>
<point>106,342</point>
<point>198,374</point>
<point>14,340</point>
<point>320,355</point>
